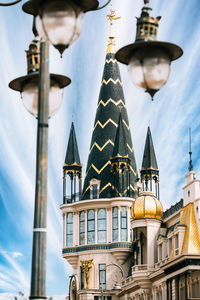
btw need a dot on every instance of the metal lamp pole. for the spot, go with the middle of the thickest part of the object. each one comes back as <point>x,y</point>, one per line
<point>38,273</point>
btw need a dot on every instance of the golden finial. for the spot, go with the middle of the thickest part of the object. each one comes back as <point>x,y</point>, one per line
<point>111,17</point>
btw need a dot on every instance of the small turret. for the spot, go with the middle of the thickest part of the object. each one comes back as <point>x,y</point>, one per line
<point>73,168</point>
<point>150,173</point>
<point>147,25</point>
<point>120,163</point>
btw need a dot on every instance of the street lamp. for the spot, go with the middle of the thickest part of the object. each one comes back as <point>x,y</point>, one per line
<point>60,21</point>
<point>38,73</point>
<point>116,287</point>
<point>149,60</point>
<point>28,85</point>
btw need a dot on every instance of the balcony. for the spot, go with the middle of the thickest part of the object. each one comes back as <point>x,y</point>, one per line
<point>72,198</point>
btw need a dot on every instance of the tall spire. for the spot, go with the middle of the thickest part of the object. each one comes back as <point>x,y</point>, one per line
<point>120,163</point>
<point>73,168</point>
<point>190,168</point>
<point>72,155</point>
<point>149,171</point>
<point>111,99</point>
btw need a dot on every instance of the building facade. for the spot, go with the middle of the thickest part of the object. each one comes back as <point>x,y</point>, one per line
<point>114,230</point>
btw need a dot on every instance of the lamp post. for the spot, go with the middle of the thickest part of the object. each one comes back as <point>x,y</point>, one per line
<point>37,57</point>
<point>60,21</point>
<point>116,287</point>
<point>149,60</point>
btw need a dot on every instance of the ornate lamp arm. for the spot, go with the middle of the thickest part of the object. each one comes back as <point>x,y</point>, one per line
<point>11,3</point>
<point>100,7</point>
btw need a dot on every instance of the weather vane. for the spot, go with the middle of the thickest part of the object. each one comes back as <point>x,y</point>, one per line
<point>112,17</point>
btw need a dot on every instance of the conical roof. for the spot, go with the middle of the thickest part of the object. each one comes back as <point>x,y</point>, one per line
<point>149,161</point>
<point>72,155</point>
<point>111,101</point>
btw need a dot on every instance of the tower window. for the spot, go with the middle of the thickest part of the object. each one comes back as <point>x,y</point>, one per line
<point>102,281</point>
<point>101,220</point>
<point>115,224</point>
<point>95,191</point>
<point>91,227</point>
<point>188,193</point>
<point>69,238</point>
<point>123,224</point>
<point>94,188</point>
<point>82,228</point>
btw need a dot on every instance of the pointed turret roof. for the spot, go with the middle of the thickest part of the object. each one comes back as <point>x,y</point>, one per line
<point>120,147</point>
<point>111,100</point>
<point>149,158</point>
<point>72,155</point>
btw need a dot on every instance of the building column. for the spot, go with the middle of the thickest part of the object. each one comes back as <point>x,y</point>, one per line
<point>64,230</point>
<point>163,289</point>
<point>167,289</point>
<point>186,286</point>
<point>76,229</point>
<point>109,224</point>
<point>85,227</point>
<point>119,223</point>
<point>128,223</point>
<point>177,287</point>
<point>96,226</point>
<point>170,286</point>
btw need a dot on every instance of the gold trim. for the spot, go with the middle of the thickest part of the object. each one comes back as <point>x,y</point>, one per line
<point>101,148</point>
<point>103,125</point>
<point>135,173</point>
<point>74,164</point>
<point>98,171</point>
<point>111,100</point>
<point>111,59</point>
<point>126,125</point>
<point>107,185</point>
<point>131,149</point>
<point>113,81</point>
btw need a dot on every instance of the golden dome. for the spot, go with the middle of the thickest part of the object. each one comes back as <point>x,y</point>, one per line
<point>147,206</point>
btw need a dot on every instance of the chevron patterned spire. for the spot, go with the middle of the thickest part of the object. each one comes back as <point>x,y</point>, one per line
<point>111,102</point>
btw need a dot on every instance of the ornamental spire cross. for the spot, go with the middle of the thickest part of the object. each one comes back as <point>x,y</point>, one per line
<point>112,17</point>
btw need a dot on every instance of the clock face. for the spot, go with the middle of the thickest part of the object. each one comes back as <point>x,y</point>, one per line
<point>73,295</point>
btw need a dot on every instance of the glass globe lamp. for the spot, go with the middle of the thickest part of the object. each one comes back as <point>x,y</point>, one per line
<point>150,70</point>
<point>28,87</point>
<point>148,60</point>
<point>60,21</point>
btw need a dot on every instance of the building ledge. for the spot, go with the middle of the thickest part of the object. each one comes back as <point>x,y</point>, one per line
<point>110,246</point>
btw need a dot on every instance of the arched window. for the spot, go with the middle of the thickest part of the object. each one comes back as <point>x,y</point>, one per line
<point>115,224</point>
<point>69,238</point>
<point>91,227</point>
<point>82,228</point>
<point>101,225</point>
<point>123,224</point>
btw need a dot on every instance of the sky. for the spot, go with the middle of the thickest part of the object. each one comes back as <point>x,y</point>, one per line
<point>176,107</point>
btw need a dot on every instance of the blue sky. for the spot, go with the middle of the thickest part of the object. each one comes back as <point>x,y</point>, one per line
<point>175,108</point>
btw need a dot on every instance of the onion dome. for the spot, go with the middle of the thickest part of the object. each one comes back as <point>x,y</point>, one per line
<point>147,206</point>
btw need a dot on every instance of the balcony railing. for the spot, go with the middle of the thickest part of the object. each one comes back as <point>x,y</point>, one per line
<point>72,198</point>
<point>139,268</point>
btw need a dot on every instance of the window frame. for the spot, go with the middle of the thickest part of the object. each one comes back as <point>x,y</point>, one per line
<point>69,244</point>
<point>90,221</point>
<point>99,231</point>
